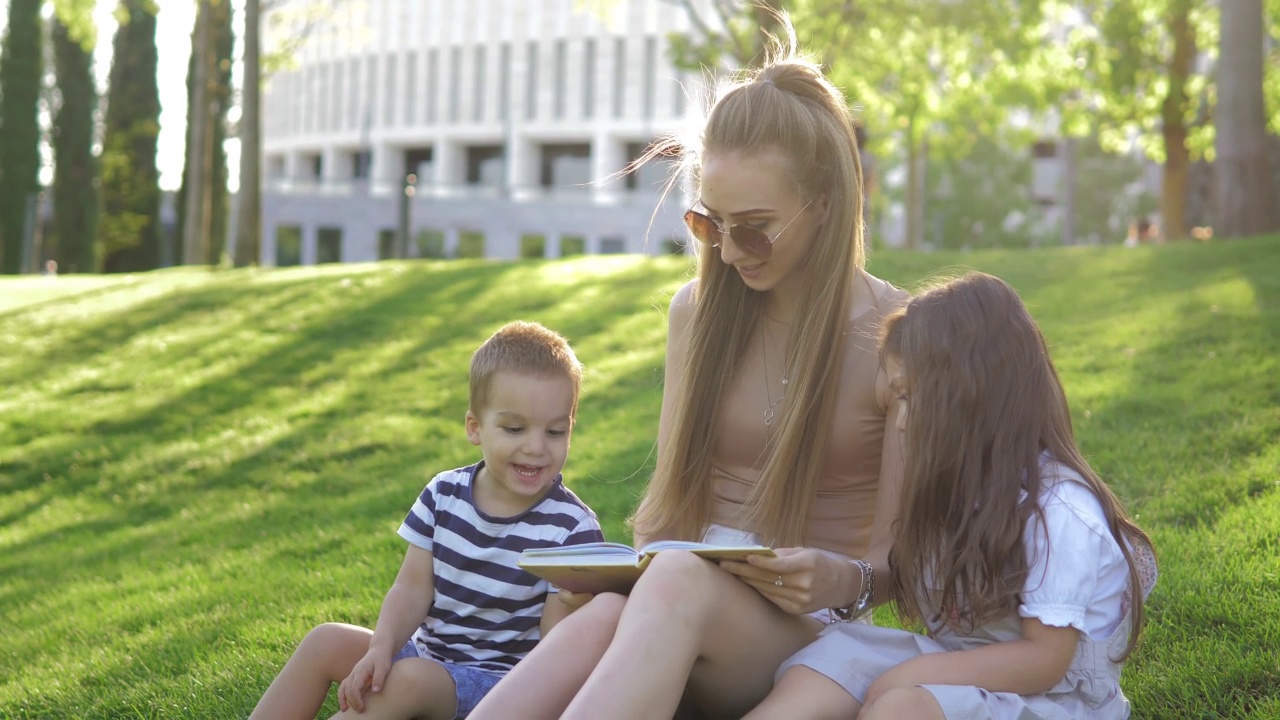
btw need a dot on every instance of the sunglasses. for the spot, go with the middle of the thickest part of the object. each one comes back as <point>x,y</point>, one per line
<point>753,241</point>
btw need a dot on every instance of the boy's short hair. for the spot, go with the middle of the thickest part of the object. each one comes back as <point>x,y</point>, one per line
<point>523,347</point>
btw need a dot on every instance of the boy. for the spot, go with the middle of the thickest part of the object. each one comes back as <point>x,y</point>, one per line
<point>461,613</point>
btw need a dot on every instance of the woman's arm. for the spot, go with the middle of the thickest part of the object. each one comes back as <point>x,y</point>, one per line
<point>1028,666</point>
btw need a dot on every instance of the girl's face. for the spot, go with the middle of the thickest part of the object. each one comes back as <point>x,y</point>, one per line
<point>757,190</point>
<point>898,389</point>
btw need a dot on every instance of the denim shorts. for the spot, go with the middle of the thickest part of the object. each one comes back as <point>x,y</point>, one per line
<point>472,683</point>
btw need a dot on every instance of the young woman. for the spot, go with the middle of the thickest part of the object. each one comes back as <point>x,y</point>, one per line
<point>1010,551</point>
<point>776,427</point>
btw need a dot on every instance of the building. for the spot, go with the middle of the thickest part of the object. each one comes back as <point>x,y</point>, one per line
<point>472,128</point>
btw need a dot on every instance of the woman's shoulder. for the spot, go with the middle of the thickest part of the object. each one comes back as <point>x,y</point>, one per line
<point>880,296</point>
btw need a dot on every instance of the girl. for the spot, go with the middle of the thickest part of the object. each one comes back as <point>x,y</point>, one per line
<point>1013,554</point>
<point>775,419</point>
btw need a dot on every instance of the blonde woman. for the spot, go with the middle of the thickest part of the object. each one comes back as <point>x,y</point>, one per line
<point>776,427</point>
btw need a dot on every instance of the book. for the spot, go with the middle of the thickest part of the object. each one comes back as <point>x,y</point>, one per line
<point>613,567</point>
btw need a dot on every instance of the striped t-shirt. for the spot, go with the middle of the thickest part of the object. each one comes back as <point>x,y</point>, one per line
<point>487,611</point>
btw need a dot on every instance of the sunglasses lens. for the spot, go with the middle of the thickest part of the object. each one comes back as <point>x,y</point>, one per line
<point>752,241</point>
<point>703,229</point>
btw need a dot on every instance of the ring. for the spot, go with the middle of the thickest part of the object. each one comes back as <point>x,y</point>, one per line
<point>778,582</point>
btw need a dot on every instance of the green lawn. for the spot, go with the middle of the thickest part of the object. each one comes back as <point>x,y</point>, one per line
<point>196,467</point>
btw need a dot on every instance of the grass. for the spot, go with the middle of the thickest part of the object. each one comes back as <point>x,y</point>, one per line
<point>196,467</point>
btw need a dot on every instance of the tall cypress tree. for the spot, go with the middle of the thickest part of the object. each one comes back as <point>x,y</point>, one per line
<point>220,102</point>
<point>21,65</point>
<point>129,229</point>
<point>75,192</point>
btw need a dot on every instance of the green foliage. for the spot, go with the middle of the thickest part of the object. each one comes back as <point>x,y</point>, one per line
<point>77,17</point>
<point>21,66</point>
<point>1109,193</point>
<point>75,182</point>
<point>208,464</point>
<point>129,230</point>
<point>1271,74</point>
<point>981,201</point>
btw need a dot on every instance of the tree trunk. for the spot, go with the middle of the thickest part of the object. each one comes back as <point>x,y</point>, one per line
<point>1243,189</point>
<point>195,235</point>
<point>20,75</point>
<point>249,217</point>
<point>1173,114</point>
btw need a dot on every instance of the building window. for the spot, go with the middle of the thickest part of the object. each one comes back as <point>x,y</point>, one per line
<point>653,175</point>
<point>571,245</point>
<point>566,165</point>
<point>389,100</point>
<point>533,246</point>
<point>650,70</point>
<point>313,166</point>
<point>411,89</point>
<point>504,81</point>
<point>486,165</point>
<point>613,245</point>
<point>275,167</point>
<point>531,75</point>
<point>561,61</point>
<point>429,244</point>
<point>470,244</point>
<point>477,112</point>
<point>455,84</point>
<point>329,245</point>
<point>675,246</point>
<point>361,160</point>
<point>353,103</point>
<point>619,76</point>
<point>288,245</point>
<point>386,244</point>
<point>589,78</point>
<point>336,100</point>
<point>433,84</point>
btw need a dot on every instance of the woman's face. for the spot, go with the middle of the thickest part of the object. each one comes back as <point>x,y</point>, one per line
<point>756,190</point>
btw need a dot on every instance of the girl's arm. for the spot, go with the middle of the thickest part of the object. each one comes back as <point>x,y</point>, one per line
<point>1028,666</point>
<point>403,609</point>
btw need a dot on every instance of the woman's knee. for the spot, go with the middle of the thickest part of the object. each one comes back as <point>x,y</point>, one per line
<point>912,702</point>
<point>677,578</point>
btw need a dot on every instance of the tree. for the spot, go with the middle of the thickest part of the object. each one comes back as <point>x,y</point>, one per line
<point>21,67</point>
<point>1244,193</point>
<point>75,180</point>
<point>129,229</point>
<point>197,203</point>
<point>212,156</point>
<point>249,217</point>
<point>1138,71</point>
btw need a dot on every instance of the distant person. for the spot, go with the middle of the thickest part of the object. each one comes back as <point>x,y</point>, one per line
<point>461,613</point>
<point>1141,232</point>
<point>50,268</point>
<point>1020,563</point>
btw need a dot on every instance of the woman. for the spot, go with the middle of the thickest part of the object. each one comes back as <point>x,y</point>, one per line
<point>776,427</point>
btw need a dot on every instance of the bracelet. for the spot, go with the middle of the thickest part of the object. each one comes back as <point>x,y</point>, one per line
<point>866,593</point>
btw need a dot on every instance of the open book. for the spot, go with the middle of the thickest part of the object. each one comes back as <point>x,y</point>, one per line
<point>614,567</point>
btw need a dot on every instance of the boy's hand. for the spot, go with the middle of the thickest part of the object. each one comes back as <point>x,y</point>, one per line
<point>573,600</point>
<point>369,673</point>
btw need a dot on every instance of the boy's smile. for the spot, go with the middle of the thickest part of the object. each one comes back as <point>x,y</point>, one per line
<point>523,432</point>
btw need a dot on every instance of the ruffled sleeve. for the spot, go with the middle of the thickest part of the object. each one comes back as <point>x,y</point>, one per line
<point>1071,559</point>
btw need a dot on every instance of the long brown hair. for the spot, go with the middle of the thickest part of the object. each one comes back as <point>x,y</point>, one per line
<point>786,106</point>
<point>983,403</point>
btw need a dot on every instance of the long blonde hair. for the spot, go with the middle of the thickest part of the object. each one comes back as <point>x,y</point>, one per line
<point>984,403</point>
<point>787,106</point>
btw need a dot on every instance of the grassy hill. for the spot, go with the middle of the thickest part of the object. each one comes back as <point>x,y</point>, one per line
<point>196,467</point>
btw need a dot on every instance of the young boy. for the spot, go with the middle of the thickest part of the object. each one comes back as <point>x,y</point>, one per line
<point>461,613</point>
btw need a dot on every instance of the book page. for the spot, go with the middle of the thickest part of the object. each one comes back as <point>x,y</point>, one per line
<point>595,549</point>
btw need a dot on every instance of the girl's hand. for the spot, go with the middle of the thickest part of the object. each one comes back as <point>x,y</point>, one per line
<point>798,580</point>
<point>574,600</point>
<point>369,673</point>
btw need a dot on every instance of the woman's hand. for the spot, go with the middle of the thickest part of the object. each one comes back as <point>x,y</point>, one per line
<point>369,673</point>
<point>798,580</point>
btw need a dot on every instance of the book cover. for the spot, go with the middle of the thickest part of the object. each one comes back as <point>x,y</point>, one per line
<point>614,567</point>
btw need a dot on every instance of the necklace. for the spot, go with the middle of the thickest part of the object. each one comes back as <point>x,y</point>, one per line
<point>764,355</point>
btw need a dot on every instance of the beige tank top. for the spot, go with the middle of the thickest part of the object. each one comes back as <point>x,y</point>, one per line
<point>842,511</point>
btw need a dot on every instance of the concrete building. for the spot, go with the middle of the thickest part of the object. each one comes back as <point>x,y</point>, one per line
<point>469,128</point>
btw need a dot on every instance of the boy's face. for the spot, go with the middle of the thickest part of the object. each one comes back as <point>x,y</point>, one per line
<point>523,432</point>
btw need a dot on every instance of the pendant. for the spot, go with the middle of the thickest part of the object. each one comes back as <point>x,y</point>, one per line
<point>768,416</point>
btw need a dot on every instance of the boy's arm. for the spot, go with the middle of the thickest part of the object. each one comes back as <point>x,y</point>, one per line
<point>1027,666</point>
<point>403,609</point>
<point>555,610</point>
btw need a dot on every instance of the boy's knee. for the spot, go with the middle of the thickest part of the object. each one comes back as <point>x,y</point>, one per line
<point>912,702</point>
